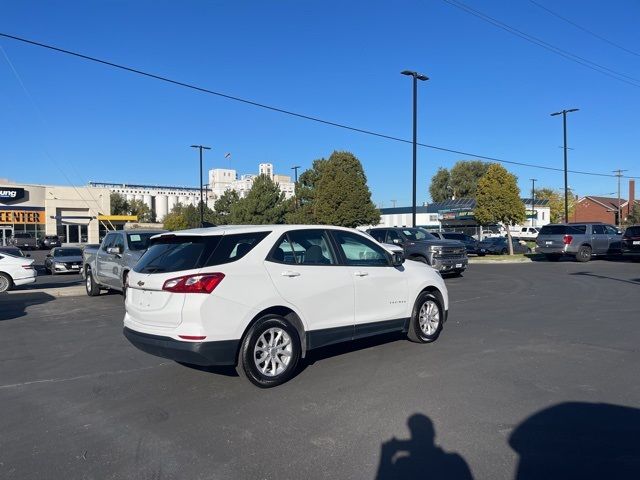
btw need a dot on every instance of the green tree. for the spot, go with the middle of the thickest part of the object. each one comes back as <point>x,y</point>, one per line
<point>341,195</point>
<point>556,203</point>
<point>222,208</point>
<point>634,216</point>
<point>440,184</point>
<point>498,200</point>
<point>264,204</point>
<point>119,204</point>
<point>182,217</point>
<point>142,211</point>
<point>302,209</point>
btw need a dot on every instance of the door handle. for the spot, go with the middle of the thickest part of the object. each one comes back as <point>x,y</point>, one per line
<point>360,274</point>
<point>290,273</point>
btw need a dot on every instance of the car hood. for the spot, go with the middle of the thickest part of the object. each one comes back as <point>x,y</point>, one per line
<point>68,259</point>
<point>438,242</point>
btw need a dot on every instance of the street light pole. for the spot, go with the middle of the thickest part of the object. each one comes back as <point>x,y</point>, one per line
<point>566,190</point>
<point>416,76</point>
<point>619,175</point>
<point>295,170</point>
<point>201,148</point>
<point>533,201</point>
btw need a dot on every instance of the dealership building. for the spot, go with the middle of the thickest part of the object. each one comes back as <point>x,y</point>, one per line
<point>73,213</point>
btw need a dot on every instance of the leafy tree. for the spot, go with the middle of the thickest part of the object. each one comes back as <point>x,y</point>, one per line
<point>222,208</point>
<point>302,210</point>
<point>175,221</point>
<point>341,195</point>
<point>556,203</point>
<point>459,182</point>
<point>183,217</point>
<point>634,216</point>
<point>498,200</point>
<point>263,204</point>
<point>440,182</point>
<point>119,204</point>
<point>142,211</point>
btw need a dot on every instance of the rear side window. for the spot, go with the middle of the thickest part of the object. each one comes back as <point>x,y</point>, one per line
<point>598,229</point>
<point>378,235</point>
<point>563,230</point>
<point>173,253</point>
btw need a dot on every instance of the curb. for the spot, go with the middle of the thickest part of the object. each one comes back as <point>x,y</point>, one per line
<point>74,291</point>
<point>497,262</point>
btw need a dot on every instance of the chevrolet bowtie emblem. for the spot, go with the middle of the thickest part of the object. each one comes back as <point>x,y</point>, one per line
<point>140,283</point>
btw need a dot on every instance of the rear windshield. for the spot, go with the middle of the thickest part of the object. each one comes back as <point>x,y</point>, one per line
<point>632,232</point>
<point>563,230</point>
<point>172,253</point>
<point>23,235</point>
<point>139,241</point>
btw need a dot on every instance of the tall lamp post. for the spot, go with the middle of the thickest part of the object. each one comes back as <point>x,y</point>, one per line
<point>295,169</point>
<point>201,148</point>
<point>416,76</point>
<point>566,189</point>
<point>533,201</point>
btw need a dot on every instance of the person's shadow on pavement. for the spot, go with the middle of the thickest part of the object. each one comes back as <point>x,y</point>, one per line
<point>419,457</point>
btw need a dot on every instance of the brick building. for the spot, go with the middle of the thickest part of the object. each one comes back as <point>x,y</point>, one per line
<point>604,209</point>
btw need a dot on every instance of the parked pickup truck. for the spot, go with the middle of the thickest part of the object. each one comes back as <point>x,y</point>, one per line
<point>24,241</point>
<point>446,256</point>
<point>525,233</point>
<point>106,267</point>
<point>578,240</point>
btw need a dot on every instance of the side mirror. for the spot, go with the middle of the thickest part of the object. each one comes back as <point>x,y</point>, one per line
<point>396,241</point>
<point>114,250</point>
<point>28,255</point>
<point>397,259</point>
<point>619,232</point>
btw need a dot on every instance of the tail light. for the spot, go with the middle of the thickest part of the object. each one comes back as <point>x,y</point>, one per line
<point>567,239</point>
<point>201,283</point>
<point>27,267</point>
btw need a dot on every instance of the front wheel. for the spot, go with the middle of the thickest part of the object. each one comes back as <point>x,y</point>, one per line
<point>504,251</point>
<point>269,352</point>
<point>427,319</point>
<point>584,254</point>
<point>90,284</point>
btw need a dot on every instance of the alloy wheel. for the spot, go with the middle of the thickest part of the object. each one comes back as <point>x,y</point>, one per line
<point>429,317</point>
<point>272,352</point>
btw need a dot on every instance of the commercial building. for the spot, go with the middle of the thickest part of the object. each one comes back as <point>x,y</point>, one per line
<point>72,213</point>
<point>160,199</point>
<point>221,180</point>
<point>457,215</point>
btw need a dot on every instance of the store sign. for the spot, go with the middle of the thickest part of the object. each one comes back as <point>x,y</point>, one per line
<point>10,194</point>
<point>29,217</point>
<point>532,215</point>
<point>453,214</point>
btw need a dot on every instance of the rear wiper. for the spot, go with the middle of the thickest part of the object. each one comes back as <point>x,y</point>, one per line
<point>152,270</point>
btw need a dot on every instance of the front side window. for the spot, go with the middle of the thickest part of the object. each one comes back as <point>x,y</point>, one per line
<point>611,230</point>
<point>118,241</point>
<point>358,250</point>
<point>108,241</point>
<point>598,229</point>
<point>393,237</point>
<point>378,235</point>
<point>304,247</point>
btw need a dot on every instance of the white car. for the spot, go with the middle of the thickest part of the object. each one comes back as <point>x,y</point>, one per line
<point>260,297</point>
<point>15,271</point>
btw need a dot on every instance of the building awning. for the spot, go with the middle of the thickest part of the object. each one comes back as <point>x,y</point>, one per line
<point>118,218</point>
<point>72,217</point>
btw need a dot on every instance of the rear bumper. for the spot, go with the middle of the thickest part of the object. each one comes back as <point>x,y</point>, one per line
<point>23,281</point>
<point>222,352</point>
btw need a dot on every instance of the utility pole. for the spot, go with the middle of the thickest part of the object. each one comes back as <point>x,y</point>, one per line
<point>416,76</point>
<point>566,189</point>
<point>393,202</point>
<point>201,148</point>
<point>295,170</point>
<point>619,175</point>
<point>533,201</point>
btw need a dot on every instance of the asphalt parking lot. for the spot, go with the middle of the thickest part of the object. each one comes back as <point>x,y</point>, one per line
<point>77,401</point>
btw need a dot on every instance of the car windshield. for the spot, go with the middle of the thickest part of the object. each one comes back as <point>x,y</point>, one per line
<point>140,241</point>
<point>67,252</point>
<point>633,231</point>
<point>417,234</point>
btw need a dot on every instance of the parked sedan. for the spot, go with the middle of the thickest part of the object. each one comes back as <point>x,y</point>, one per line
<point>63,260</point>
<point>631,243</point>
<point>15,271</point>
<point>260,297</point>
<point>499,246</point>
<point>15,251</point>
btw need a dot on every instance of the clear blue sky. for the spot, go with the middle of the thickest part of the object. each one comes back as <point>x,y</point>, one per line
<point>490,93</point>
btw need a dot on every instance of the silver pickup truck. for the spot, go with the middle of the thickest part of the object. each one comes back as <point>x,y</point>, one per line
<point>106,267</point>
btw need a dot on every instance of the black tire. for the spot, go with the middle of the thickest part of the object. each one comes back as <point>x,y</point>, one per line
<point>92,288</point>
<point>418,334</point>
<point>457,273</point>
<point>6,282</point>
<point>504,251</point>
<point>584,254</point>
<point>124,285</point>
<point>528,251</point>
<point>249,366</point>
<point>481,254</point>
<point>552,257</point>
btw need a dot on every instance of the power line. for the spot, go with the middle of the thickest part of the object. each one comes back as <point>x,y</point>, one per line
<point>622,77</point>
<point>590,32</point>
<point>288,112</point>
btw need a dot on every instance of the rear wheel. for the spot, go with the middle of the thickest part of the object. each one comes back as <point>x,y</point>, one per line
<point>584,254</point>
<point>427,319</point>
<point>269,352</point>
<point>504,251</point>
<point>5,282</point>
<point>90,284</point>
<point>528,250</point>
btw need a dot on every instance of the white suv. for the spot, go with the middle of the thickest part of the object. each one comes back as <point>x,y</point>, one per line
<point>262,296</point>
